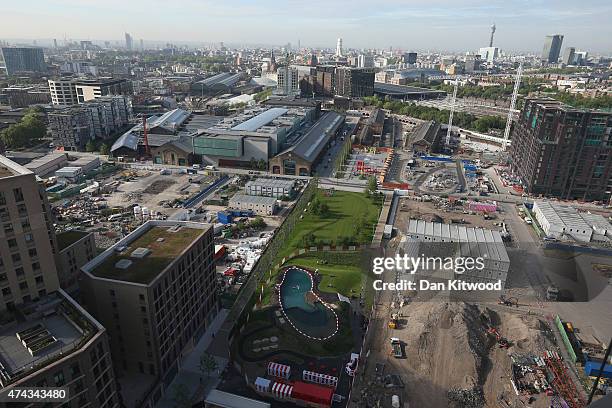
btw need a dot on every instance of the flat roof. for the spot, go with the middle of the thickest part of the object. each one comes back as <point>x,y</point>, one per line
<point>9,168</point>
<point>45,326</point>
<point>165,242</point>
<point>67,238</point>
<point>271,182</point>
<point>253,199</point>
<point>226,400</point>
<point>260,120</point>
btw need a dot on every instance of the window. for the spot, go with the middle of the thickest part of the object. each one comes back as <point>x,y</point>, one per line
<point>2,199</point>
<point>21,208</point>
<point>18,192</point>
<point>23,285</point>
<point>16,258</point>
<point>8,228</point>
<point>75,370</point>
<point>6,291</point>
<point>29,238</point>
<point>12,243</point>
<point>39,280</point>
<point>36,266</point>
<point>59,378</point>
<point>19,271</point>
<point>32,252</point>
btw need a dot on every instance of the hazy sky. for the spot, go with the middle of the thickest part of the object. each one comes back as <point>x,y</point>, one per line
<point>408,24</point>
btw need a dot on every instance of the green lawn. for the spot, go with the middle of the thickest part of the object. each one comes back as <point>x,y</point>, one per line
<point>340,270</point>
<point>351,215</point>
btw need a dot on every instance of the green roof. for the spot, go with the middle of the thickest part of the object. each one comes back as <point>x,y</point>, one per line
<point>67,238</point>
<point>164,246</point>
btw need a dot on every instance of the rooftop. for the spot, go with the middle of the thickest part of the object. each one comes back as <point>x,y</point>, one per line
<point>310,145</point>
<point>252,199</point>
<point>391,89</point>
<point>165,240</point>
<point>67,238</point>
<point>271,182</point>
<point>427,132</point>
<point>9,168</point>
<point>48,333</point>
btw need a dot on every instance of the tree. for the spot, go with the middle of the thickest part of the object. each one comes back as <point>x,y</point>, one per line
<point>28,131</point>
<point>372,186</point>
<point>104,149</point>
<point>208,364</point>
<point>262,164</point>
<point>180,396</point>
<point>258,223</point>
<point>90,146</point>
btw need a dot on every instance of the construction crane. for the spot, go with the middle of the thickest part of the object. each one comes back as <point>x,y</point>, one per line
<point>450,116</point>
<point>517,84</point>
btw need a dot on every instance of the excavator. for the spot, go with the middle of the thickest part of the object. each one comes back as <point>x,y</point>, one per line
<point>510,301</point>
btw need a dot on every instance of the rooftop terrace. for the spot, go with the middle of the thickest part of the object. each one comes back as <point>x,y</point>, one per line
<point>157,247</point>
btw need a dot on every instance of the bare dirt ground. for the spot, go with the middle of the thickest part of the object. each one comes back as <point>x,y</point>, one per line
<point>447,348</point>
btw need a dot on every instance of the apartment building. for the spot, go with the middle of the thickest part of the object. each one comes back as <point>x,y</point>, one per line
<point>72,127</point>
<point>155,291</point>
<point>58,344</point>
<point>74,249</point>
<point>27,239</point>
<point>562,151</point>
<point>72,91</point>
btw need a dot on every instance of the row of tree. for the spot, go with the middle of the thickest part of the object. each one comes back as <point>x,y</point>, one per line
<point>26,133</point>
<point>461,119</point>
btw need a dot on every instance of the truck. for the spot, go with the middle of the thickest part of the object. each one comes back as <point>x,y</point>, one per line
<point>552,293</point>
<point>396,347</point>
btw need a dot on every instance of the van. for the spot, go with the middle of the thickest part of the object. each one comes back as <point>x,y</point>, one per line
<point>209,167</point>
<point>196,167</point>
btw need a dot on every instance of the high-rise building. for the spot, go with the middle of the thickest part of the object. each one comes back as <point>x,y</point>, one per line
<point>28,244</point>
<point>354,82</point>
<point>72,127</point>
<point>552,48</point>
<point>58,344</point>
<point>156,293</point>
<point>288,81</point>
<point>472,63</point>
<point>72,91</point>
<point>410,58</point>
<point>141,45</point>
<point>129,42</point>
<point>562,151</point>
<point>339,51</point>
<point>365,61</point>
<point>23,60</point>
<point>325,80</point>
<point>569,56</point>
<point>489,54</point>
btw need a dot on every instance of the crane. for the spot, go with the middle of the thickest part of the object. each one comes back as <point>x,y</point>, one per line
<point>450,116</point>
<point>517,84</point>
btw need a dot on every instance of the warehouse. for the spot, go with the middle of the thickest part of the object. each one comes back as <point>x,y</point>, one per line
<point>302,157</point>
<point>260,205</point>
<point>47,164</point>
<point>434,239</point>
<point>562,221</point>
<point>268,187</point>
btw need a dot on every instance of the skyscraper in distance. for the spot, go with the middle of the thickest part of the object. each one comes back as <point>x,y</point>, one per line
<point>339,47</point>
<point>492,34</point>
<point>569,56</point>
<point>23,59</point>
<point>128,42</point>
<point>552,48</point>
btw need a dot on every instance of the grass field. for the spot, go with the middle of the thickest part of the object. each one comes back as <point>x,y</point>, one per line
<point>351,215</point>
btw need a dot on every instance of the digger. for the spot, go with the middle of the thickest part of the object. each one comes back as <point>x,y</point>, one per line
<point>394,321</point>
<point>510,301</point>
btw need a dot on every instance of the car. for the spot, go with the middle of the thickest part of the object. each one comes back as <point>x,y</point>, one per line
<point>528,220</point>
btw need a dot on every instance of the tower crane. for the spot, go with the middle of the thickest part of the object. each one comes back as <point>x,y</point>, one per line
<point>517,84</point>
<point>450,116</point>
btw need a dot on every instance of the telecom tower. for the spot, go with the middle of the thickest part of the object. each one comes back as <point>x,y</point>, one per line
<point>492,34</point>
<point>517,84</point>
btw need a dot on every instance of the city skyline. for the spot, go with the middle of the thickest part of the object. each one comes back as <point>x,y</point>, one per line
<point>433,25</point>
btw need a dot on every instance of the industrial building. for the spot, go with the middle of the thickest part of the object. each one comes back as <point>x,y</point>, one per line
<point>28,244</point>
<point>434,239</point>
<point>426,137</point>
<point>306,152</point>
<point>372,129</point>
<point>405,93</point>
<point>255,135</point>
<point>223,82</point>
<point>72,127</point>
<point>270,187</point>
<point>47,164</point>
<point>562,151</point>
<point>172,126</point>
<point>58,344</point>
<point>73,90</point>
<point>23,96</point>
<point>156,293</point>
<point>258,204</point>
<point>21,60</point>
<point>563,221</point>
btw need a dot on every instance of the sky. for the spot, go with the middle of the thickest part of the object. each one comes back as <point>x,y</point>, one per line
<point>442,25</point>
